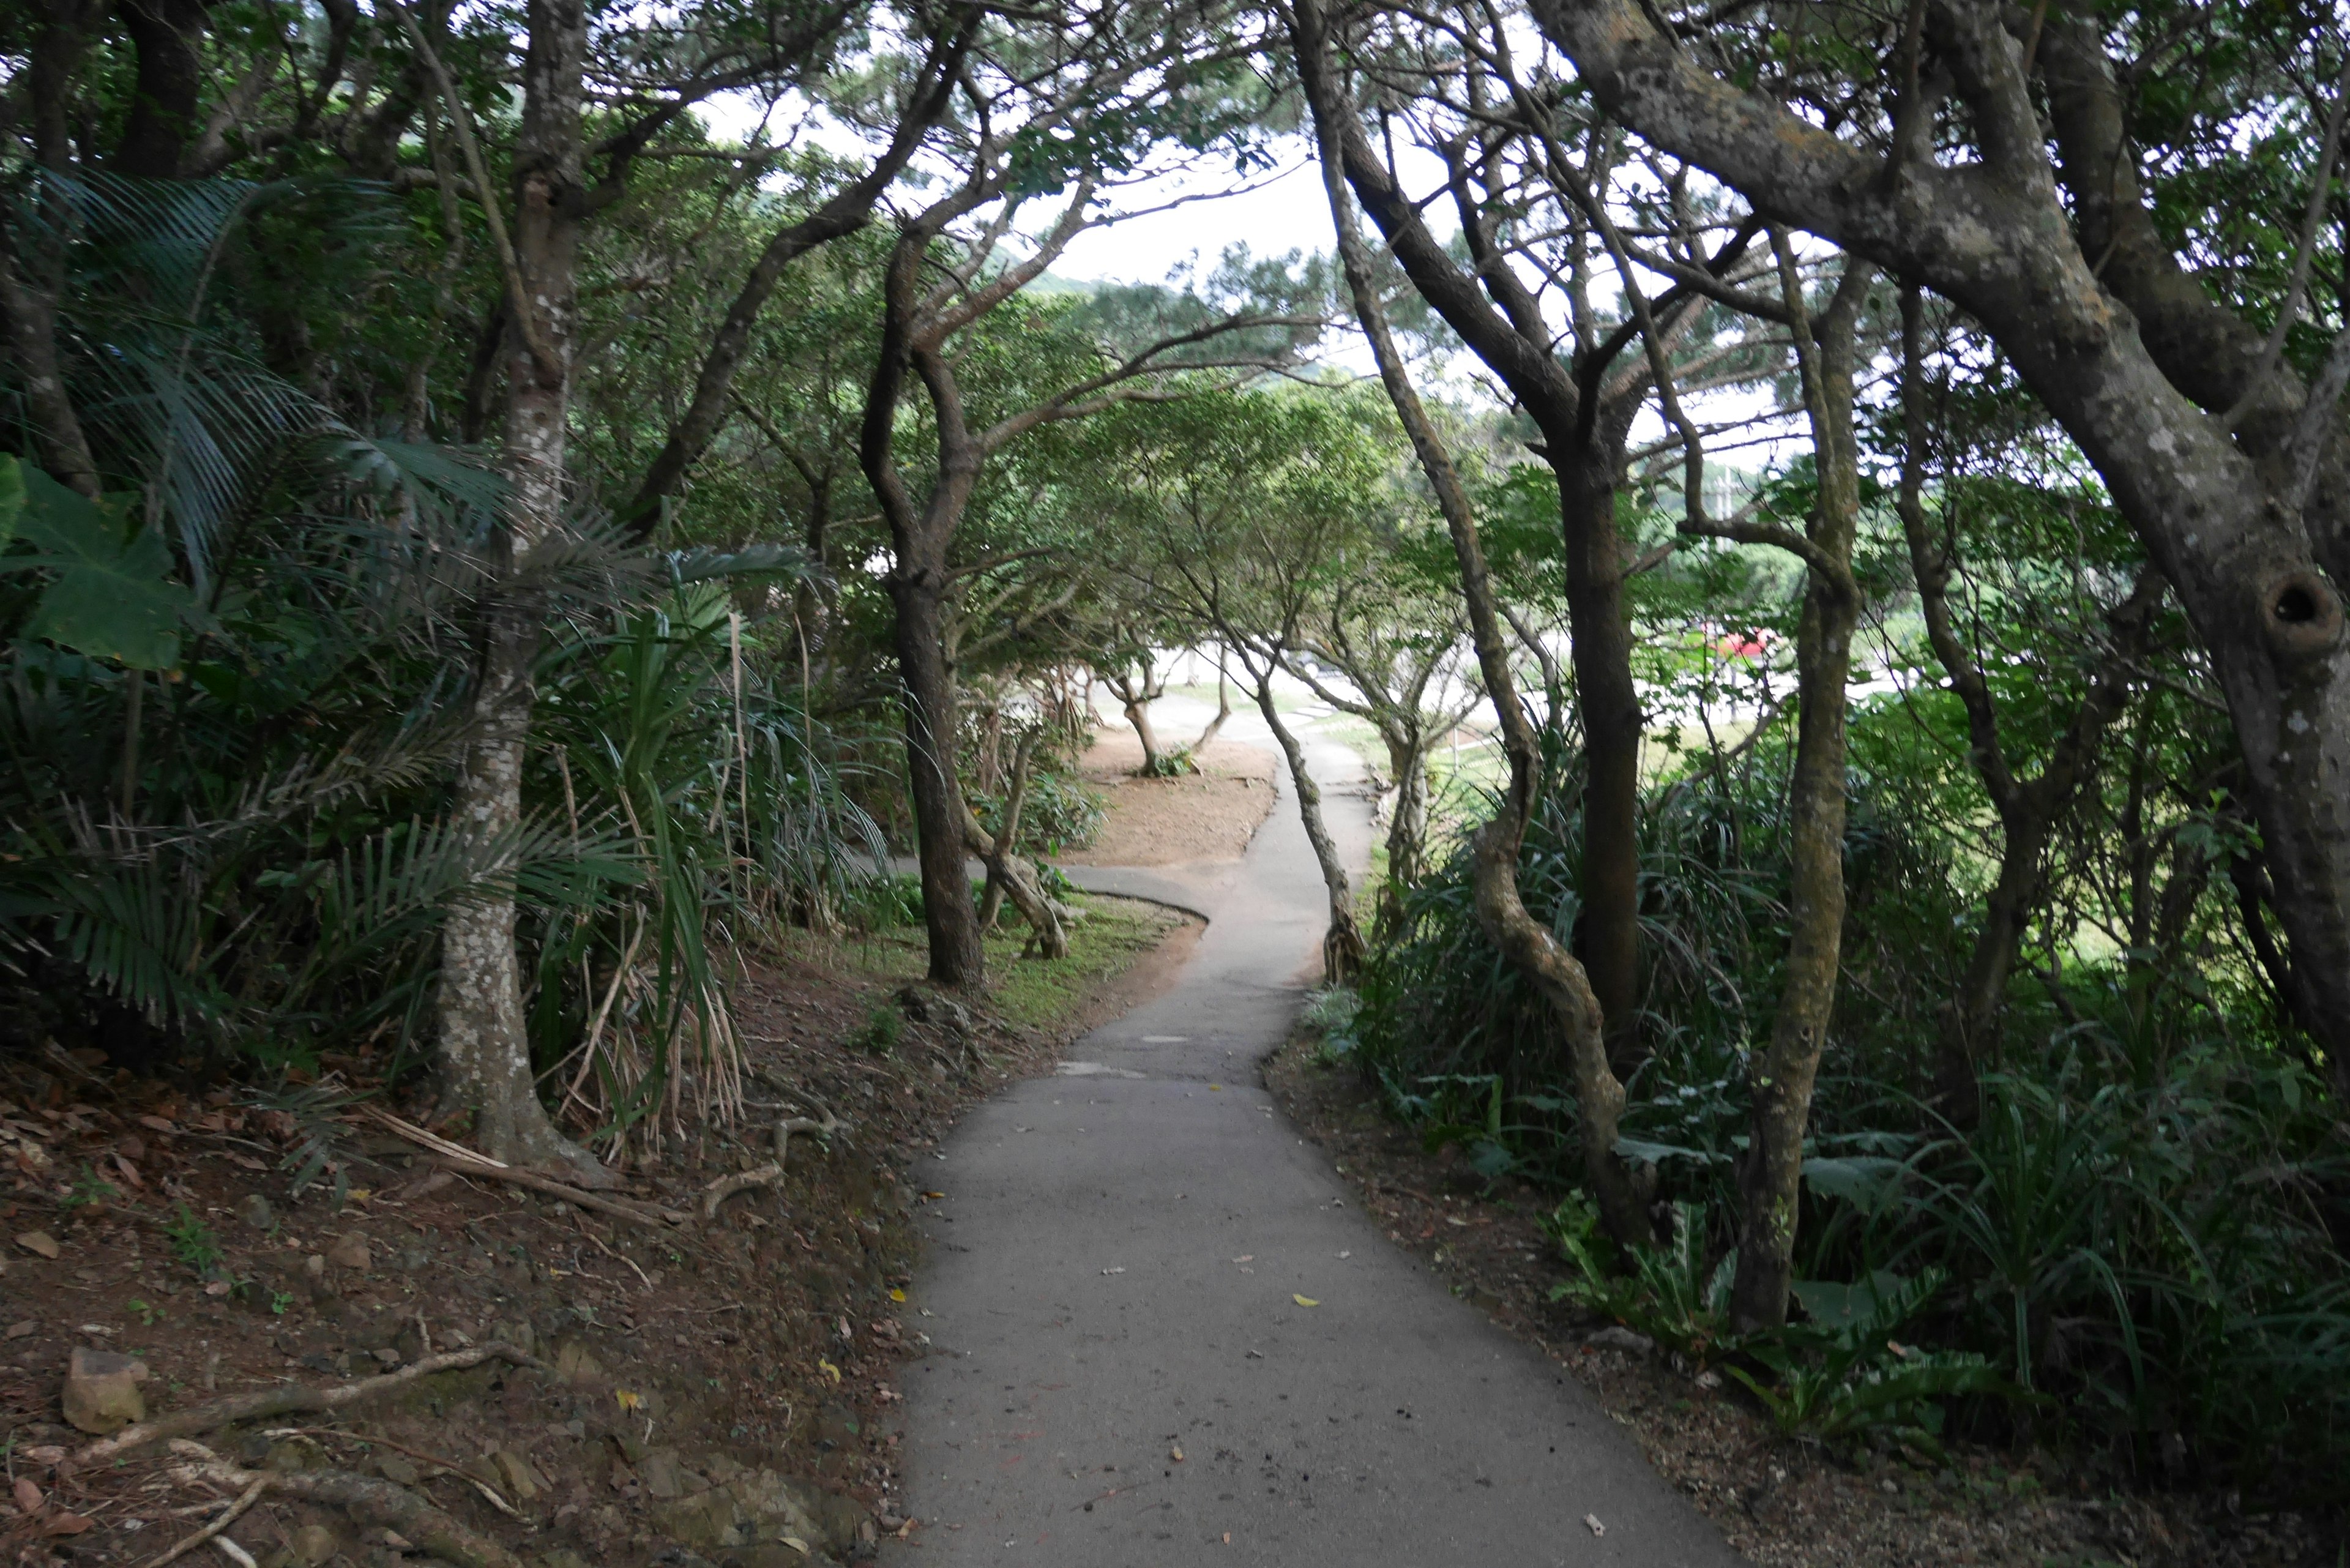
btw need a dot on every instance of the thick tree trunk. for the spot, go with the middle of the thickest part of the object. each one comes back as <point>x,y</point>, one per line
<point>949,914</point>
<point>32,323</point>
<point>1607,933</point>
<point>1342,944</point>
<point>1621,1190</point>
<point>1138,713</point>
<point>164,98</point>
<point>485,1049</point>
<point>1781,1078</point>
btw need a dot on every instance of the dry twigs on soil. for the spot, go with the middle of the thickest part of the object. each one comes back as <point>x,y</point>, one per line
<point>288,1399</point>
<point>377,1501</point>
<point>234,1511</point>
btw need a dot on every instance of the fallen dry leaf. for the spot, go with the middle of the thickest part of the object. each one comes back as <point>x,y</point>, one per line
<point>28,1496</point>
<point>39,1241</point>
<point>63,1523</point>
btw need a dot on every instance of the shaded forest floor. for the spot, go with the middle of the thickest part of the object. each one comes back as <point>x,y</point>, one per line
<point>719,1392</point>
<point>1783,1502</point>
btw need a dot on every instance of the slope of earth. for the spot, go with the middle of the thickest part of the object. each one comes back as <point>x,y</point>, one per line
<point>1784,1503</point>
<point>719,1391</point>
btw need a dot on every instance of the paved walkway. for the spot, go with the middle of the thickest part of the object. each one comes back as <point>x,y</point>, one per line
<point>1124,1374</point>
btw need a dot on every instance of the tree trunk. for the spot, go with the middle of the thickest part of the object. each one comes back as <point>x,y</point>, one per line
<point>169,37</point>
<point>1781,1078</point>
<point>484,1050</point>
<point>1622,1191</point>
<point>949,915</point>
<point>1407,826</point>
<point>1011,874</point>
<point>1223,709</point>
<point>1138,713</point>
<point>1342,944</point>
<point>1608,932</point>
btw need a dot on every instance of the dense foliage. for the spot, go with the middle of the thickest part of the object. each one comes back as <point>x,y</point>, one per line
<point>505,509</point>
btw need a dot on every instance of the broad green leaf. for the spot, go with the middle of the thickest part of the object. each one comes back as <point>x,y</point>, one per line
<point>114,596</point>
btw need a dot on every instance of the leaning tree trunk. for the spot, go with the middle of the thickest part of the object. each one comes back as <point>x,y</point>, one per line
<point>1223,710</point>
<point>1138,713</point>
<point>1342,944</point>
<point>1621,1189</point>
<point>1781,1079</point>
<point>485,1049</point>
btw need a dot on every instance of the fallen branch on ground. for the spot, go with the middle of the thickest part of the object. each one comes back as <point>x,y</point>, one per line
<point>448,1466</point>
<point>766,1175</point>
<point>235,1510</point>
<point>377,1502</point>
<point>289,1398</point>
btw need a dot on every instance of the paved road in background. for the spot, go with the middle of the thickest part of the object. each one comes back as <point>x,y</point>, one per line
<point>1114,1279</point>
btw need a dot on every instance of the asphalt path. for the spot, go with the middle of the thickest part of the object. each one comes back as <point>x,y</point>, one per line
<point>1125,1368</point>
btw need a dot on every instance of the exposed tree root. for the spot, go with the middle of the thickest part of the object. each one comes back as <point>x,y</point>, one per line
<point>766,1175</point>
<point>377,1502</point>
<point>290,1398</point>
<point>618,1208</point>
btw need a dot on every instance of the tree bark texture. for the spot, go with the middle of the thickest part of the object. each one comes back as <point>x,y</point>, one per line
<point>485,1049</point>
<point>1407,820</point>
<point>918,582</point>
<point>2254,558</point>
<point>1621,1190</point>
<point>1781,1079</point>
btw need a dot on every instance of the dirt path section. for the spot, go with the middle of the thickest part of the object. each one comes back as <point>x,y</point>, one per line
<point>693,1394</point>
<point>1207,817</point>
<point>1163,1333</point>
<point>1783,1503</point>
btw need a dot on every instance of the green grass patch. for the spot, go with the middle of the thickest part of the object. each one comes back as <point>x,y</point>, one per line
<point>1041,993</point>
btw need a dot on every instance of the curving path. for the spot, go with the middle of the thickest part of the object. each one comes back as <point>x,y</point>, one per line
<point>1112,1280</point>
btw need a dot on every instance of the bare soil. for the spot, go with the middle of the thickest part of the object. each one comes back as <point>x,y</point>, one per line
<point>1207,816</point>
<point>1783,1502</point>
<point>669,1363</point>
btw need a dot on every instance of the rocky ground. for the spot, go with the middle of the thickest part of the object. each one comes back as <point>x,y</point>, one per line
<point>460,1368</point>
<point>1783,1503</point>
